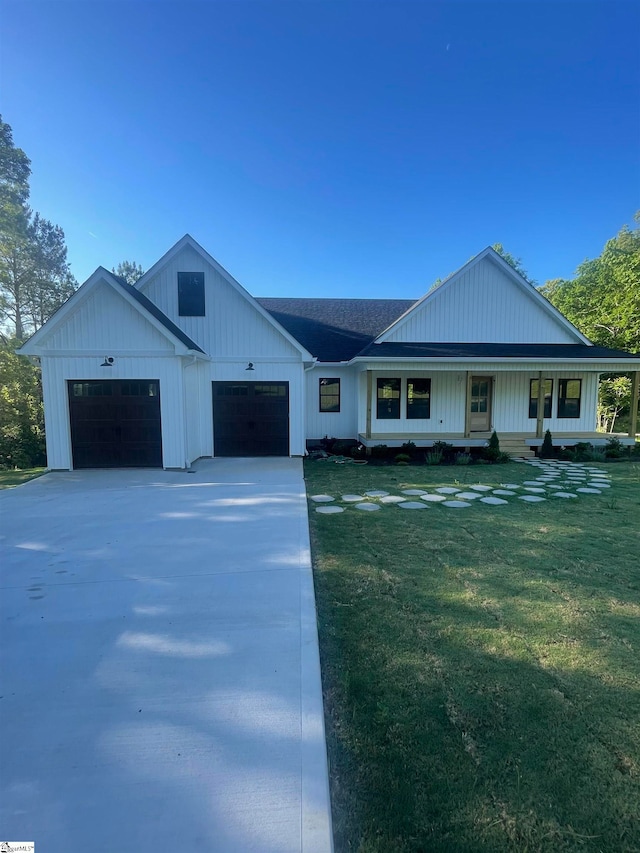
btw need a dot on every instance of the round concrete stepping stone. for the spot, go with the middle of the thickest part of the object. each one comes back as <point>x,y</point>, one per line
<point>322,499</point>
<point>329,510</point>
<point>433,498</point>
<point>556,486</point>
<point>368,507</point>
<point>598,485</point>
<point>493,501</point>
<point>480,488</point>
<point>468,496</point>
<point>391,499</point>
<point>537,491</point>
<point>413,492</point>
<point>587,491</point>
<point>563,495</point>
<point>447,490</point>
<point>412,505</point>
<point>531,498</point>
<point>352,499</point>
<point>376,493</point>
<point>456,504</point>
<point>531,483</point>
<point>505,492</point>
<point>599,475</point>
<point>509,485</point>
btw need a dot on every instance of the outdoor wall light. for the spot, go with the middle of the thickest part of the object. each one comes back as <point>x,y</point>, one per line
<point>108,361</point>
<point>248,367</point>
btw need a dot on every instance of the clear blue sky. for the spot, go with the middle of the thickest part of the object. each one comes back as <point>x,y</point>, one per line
<point>328,148</point>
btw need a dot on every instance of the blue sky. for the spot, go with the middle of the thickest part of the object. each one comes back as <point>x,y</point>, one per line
<point>328,148</point>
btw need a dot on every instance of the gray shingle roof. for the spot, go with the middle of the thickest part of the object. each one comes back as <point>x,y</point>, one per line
<point>391,349</point>
<point>335,329</point>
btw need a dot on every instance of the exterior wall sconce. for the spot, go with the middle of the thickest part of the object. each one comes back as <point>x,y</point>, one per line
<point>248,367</point>
<point>108,361</point>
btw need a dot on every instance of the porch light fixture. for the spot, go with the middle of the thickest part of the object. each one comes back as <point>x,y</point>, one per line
<point>108,361</point>
<point>250,366</point>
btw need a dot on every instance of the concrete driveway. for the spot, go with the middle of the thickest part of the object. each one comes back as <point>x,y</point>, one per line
<point>160,678</point>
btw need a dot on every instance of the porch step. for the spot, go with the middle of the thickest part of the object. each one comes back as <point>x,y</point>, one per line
<point>516,447</point>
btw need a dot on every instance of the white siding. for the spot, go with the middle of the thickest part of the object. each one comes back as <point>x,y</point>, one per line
<point>56,372</point>
<point>342,424</point>
<point>482,305</point>
<point>104,320</point>
<point>232,326</point>
<point>197,391</point>
<point>511,403</point>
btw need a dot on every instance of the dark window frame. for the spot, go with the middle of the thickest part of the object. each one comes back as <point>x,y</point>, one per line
<point>563,400</point>
<point>533,400</point>
<point>392,404</point>
<point>191,297</point>
<point>323,383</point>
<point>423,402</point>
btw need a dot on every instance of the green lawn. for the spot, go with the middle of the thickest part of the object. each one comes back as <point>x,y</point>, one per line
<point>481,667</point>
<point>16,476</point>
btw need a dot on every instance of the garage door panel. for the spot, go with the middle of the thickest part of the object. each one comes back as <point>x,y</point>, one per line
<point>115,423</point>
<point>251,418</point>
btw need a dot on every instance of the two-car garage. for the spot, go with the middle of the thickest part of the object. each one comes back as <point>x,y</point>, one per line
<point>117,423</point>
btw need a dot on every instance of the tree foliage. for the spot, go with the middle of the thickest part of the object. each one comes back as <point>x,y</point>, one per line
<point>130,271</point>
<point>603,300</point>
<point>514,262</point>
<point>22,443</point>
<point>35,278</point>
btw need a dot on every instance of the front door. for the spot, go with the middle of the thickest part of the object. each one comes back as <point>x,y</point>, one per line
<point>480,404</point>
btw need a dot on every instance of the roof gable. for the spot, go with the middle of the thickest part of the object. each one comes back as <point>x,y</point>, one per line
<point>149,284</point>
<point>485,300</point>
<point>106,311</point>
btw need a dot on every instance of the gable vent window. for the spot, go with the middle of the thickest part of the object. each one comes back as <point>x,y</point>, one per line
<point>191,294</point>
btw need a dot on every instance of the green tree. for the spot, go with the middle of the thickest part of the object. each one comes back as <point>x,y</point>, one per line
<point>35,278</point>
<point>514,262</point>
<point>22,443</point>
<point>130,271</point>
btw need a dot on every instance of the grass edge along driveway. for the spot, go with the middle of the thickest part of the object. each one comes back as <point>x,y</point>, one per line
<point>481,668</point>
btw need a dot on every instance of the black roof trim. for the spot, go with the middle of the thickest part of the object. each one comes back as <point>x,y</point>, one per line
<point>146,303</point>
<point>391,349</point>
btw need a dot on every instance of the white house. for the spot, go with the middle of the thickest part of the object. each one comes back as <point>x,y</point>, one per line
<point>188,364</point>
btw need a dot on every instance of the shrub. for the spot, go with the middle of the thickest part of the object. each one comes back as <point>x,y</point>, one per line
<point>403,459</point>
<point>492,451</point>
<point>462,458</point>
<point>409,448</point>
<point>435,457</point>
<point>598,454</point>
<point>327,443</point>
<point>445,449</point>
<point>380,451</point>
<point>582,452</point>
<point>614,448</point>
<point>547,451</point>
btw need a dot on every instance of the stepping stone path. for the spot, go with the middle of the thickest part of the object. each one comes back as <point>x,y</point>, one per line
<point>557,479</point>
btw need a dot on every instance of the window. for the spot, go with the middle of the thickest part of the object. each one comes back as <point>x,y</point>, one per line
<point>329,395</point>
<point>138,388</point>
<point>533,398</point>
<point>191,294</point>
<point>569,398</point>
<point>418,398</point>
<point>270,390</point>
<point>92,389</point>
<point>388,398</point>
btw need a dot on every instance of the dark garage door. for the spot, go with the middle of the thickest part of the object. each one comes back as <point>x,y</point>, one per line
<point>251,418</point>
<point>115,423</point>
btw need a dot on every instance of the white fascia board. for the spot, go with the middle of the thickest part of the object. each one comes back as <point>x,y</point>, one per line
<point>531,291</point>
<point>188,240</point>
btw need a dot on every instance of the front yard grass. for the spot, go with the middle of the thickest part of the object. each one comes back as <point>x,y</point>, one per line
<point>16,476</point>
<point>481,667</point>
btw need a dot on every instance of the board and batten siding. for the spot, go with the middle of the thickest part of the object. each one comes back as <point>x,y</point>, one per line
<point>57,370</point>
<point>232,327</point>
<point>342,424</point>
<point>510,405</point>
<point>482,304</point>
